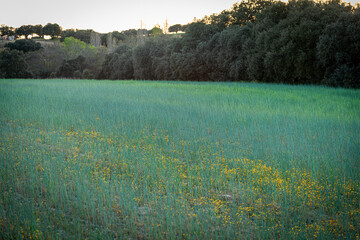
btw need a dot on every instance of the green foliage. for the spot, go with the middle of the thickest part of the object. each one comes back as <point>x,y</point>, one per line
<point>198,32</point>
<point>118,65</point>
<point>269,42</point>
<point>72,68</point>
<point>81,56</point>
<point>119,36</point>
<point>151,60</point>
<point>24,30</point>
<point>248,11</point>
<point>94,61</point>
<point>299,42</point>
<point>77,74</point>
<point>76,47</point>
<point>175,28</point>
<point>6,30</point>
<point>38,29</point>
<point>344,76</point>
<point>103,38</point>
<point>338,51</point>
<point>82,35</point>
<point>93,57</point>
<point>130,33</point>
<point>86,74</point>
<point>156,31</point>
<point>68,33</point>
<point>142,60</point>
<point>52,29</point>
<point>47,60</point>
<point>13,65</point>
<point>24,45</point>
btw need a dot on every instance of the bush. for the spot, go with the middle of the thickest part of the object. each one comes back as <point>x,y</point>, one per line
<point>344,76</point>
<point>118,65</point>
<point>77,74</point>
<point>24,45</point>
<point>46,61</point>
<point>13,65</point>
<point>71,68</point>
<point>87,74</point>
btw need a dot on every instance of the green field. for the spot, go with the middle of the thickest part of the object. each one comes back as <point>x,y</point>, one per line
<point>177,160</point>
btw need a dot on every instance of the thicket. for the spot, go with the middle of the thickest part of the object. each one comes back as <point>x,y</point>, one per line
<point>70,59</point>
<point>24,45</point>
<point>13,65</point>
<point>299,42</point>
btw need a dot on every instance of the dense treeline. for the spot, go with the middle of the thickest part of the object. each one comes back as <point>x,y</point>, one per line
<point>299,42</point>
<point>50,29</point>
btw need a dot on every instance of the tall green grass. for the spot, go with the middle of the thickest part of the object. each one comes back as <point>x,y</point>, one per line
<point>177,160</point>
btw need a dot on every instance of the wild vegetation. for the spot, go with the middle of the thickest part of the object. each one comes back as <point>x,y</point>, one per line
<point>299,42</point>
<point>176,160</point>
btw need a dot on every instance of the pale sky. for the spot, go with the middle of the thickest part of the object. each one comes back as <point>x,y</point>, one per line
<point>109,15</point>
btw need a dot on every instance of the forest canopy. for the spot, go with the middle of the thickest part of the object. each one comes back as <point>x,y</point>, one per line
<point>298,42</point>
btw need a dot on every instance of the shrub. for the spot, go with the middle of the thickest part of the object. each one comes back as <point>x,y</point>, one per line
<point>24,45</point>
<point>69,67</point>
<point>13,65</point>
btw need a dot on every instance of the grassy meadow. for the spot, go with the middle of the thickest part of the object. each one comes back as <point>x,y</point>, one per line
<point>178,160</point>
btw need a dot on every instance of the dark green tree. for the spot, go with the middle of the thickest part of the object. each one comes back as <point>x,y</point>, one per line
<point>103,39</point>
<point>284,42</point>
<point>83,35</point>
<point>151,59</point>
<point>118,36</point>
<point>156,31</point>
<point>118,65</point>
<point>175,28</point>
<point>247,11</point>
<point>6,31</point>
<point>130,33</point>
<point>52,29</point>
<point>142,61</point>
<point>24,30</point>
<point>161,51</point>
<point>199,31</point>
<point>24,45</point>
<point>232,58</point>
<point>68,33</point>
<point>338,52</point>
<point>47,60</point>
<point>13,65</point>
<point>38,29</point>
<point>71,68</point>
